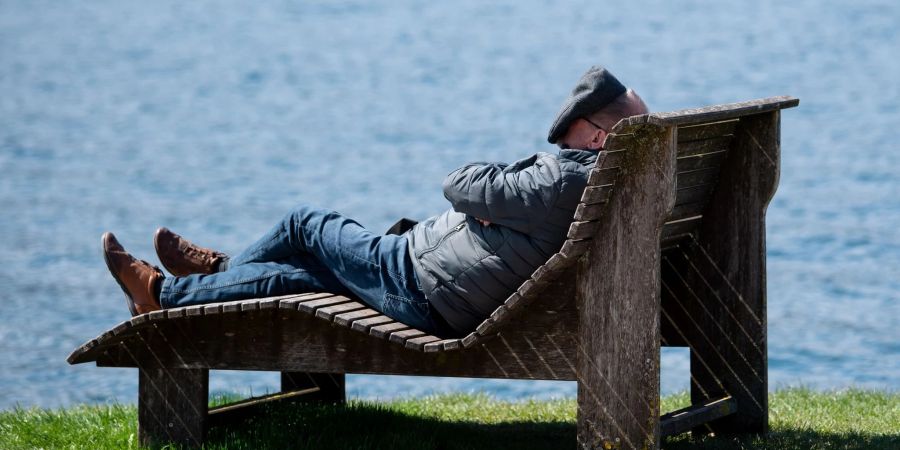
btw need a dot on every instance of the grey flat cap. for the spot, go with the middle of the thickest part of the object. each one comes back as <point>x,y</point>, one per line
<point>596,89</point>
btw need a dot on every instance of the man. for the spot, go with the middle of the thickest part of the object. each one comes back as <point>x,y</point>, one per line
<point>443,275</point>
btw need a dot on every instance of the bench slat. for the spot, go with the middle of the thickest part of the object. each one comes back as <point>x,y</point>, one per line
<point>596,194</point>
<point>585,212</point>
<point>686,210</point>
<point>601,175</point>
<point>722,112</point>
<point>400,337</point>
<point>705,131</point>
<point>381,331</point>
<point>364,325</point>
<point>310,306</point>
<point>700,161</point>
<point>292,302</point>
<point>694,194</point>
<point>346,319</point>
<point>328,312</point>
<point>680,227</point>
<point>697,177</point>
<point>439,345</point>
<point>419,342</point>
<point>583,230</point>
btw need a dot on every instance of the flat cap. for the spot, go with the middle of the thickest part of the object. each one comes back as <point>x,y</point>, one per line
<point>596,89</point>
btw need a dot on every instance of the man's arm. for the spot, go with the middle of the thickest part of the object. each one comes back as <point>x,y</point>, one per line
<point>518,196</point>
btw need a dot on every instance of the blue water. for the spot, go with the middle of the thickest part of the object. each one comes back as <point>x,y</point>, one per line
<point>215,118</point>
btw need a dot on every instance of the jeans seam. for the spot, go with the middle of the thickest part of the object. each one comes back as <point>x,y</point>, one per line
<point>241,281</point>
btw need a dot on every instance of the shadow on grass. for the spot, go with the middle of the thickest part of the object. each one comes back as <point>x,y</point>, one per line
<point>376,427</point>
<point>786,438</point>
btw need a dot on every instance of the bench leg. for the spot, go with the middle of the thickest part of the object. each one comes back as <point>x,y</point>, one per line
<point>728,279</point>
<point>331,386</point>
<point>172,405</point>
<point>618,299</point>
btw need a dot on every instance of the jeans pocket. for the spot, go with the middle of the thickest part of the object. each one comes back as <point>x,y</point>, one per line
<point>412,312</point>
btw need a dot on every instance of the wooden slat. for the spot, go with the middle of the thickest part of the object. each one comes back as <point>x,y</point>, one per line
<point>694,194</point>
<point>401,336</point>
<point>700,161</point>
<point>212,309</point>
<point>574,249</point>
<point>585,212</point>
<point>328,312</point>
<point>364,325</point>
<point>704,131</point>
<point>440,345</point>
<point>382,331</point>
<point>346,319</point>
<point>241,410</point>
<point>722,112</point>
<point>453,344</point>
<point>419,342</point>
<point>513,302</point>
<point>291,303</point>
<point>683,420</point>
<point>680,227</point>
<point>583,230</point>
<point>470,339</point>
<point>686,210</point>
<point>250,305</point>
<point>596,194</point>
<point>697,177</point>
<point>601,175</point>
<point>614,158</point>
<point>310,306</point>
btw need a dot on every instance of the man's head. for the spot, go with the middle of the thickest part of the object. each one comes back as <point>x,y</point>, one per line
<point>596,104</point>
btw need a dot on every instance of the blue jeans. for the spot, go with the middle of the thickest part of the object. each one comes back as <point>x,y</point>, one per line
<point>317,250</point>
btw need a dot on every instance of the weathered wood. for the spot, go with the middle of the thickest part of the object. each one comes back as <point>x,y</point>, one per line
<point>366,324</point>
<point>244,409</point>
<point>346,319</point>
<point>722,112</point>
<point>709,135</point>
<point>603,173</point>
<point>171,404</point>
<point>684,419</point>
<point>539,346</point>
<point>686,210</point>
<point>694,194</point>
<point>701,160</point>
<point>681,227</point>
<point>596,194</point>
<point>699,177</point>
<point>728,278</point>
<point>329,388</point>
<point>585,212</point>
<point>328,312</point>
<point>384,331</point>
<point>310,306</point>
<point>617,295</point>
<point>583,230</point>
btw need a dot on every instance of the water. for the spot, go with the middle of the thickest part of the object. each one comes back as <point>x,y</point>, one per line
<point>215,118</point>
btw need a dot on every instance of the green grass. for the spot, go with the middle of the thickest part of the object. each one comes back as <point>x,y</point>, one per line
<point>799,419</point>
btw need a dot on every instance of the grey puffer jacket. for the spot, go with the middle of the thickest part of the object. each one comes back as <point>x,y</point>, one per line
<point>466,269</point>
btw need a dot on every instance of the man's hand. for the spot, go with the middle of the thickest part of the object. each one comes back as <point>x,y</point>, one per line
<point>483,222</point>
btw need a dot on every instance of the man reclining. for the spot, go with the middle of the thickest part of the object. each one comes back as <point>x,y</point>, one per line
<point>444,275</point>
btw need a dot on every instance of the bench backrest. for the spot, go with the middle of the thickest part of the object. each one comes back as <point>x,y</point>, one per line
<point>702,140</point>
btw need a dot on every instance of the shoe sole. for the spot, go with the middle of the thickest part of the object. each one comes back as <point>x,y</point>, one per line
<point>128,300</point>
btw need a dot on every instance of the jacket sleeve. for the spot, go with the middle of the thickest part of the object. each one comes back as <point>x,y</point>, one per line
<point>518,196</point>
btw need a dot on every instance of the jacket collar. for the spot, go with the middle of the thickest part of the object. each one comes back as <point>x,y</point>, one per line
<point>580,156</point>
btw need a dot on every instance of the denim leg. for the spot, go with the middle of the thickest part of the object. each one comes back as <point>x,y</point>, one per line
<point>298,274</point>
<point>377,269</point>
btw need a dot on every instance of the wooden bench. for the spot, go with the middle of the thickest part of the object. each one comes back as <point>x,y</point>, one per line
<point>667,248</point>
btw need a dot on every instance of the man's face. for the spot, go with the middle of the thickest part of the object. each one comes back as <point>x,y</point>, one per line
<point>583,135</point>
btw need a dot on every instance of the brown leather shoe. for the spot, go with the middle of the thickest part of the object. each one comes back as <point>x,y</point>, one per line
<point>137,278</point>
<point>182,257</point>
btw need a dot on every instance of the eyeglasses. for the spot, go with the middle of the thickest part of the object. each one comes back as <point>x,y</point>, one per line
<point>594,124</point>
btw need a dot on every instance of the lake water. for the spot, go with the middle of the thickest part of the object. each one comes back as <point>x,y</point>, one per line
<point>215,118</point>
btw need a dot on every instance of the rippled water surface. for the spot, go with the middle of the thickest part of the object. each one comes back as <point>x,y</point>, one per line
<point>215,118</point>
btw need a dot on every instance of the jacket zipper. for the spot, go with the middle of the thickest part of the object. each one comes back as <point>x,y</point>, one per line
<point>442,239</point>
